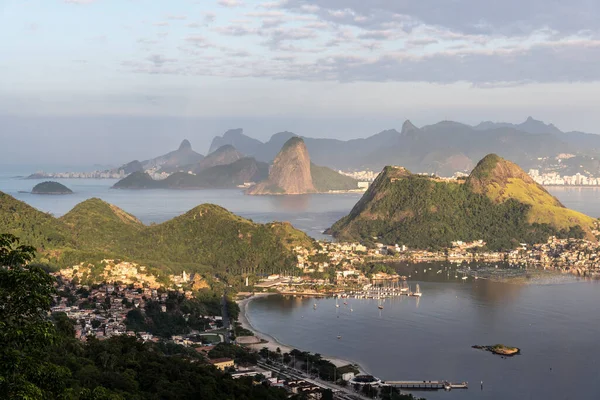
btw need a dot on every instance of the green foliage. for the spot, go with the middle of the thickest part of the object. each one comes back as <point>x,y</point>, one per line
<point>237,353</point>
<point>138,180</point>
<point>51,188</point>
<point>25,296</point>
<point>423,213</point>
<point>181,315</point>
<point>207,239</point>
<point>39,361</point>
<point>34,227</point>
<point>326,179</point>
<point>484,168</point>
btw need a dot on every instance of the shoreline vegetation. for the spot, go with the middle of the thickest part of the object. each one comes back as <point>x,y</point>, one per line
<point>272,343</point>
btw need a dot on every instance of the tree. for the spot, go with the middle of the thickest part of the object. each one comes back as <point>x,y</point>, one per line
<point>25,331</point>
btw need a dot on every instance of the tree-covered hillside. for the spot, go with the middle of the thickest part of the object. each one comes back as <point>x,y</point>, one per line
<point>421,212</point>
<point>326,179</point>
<point>207,237</point>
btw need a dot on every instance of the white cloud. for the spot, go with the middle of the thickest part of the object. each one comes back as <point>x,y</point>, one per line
<point>230,3</point>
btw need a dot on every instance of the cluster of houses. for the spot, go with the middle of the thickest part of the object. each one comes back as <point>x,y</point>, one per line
<point>101,310</point>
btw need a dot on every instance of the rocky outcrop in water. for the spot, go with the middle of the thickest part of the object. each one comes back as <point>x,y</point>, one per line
<point>290,173</point>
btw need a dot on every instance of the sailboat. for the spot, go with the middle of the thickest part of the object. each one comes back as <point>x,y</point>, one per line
<point>315,306</point>
<point>336,303</point>
<point>417,292</point>
<point>380,306</point>
<point>404,287</point>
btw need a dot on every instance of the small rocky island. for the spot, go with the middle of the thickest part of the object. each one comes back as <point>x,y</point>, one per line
<point>500,349</point>
<point>51,188</point>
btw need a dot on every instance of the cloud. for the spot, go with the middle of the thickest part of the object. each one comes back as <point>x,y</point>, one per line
<point>507,17</point>
<point>159,60</point>
<point>235,30</point>
<point>209,17</point>
<point>569,62</point>
<point>79,1</point>
<point>379,35</point>
<point>230,3</point>
<point>198,41</point>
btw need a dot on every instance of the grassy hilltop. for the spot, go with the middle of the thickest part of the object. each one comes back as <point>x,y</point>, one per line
<point>498,203</point>
<point>207,237</point>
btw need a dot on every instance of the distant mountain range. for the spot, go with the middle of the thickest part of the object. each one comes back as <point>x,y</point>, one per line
<point>292,173</point>
<point>442,148</point>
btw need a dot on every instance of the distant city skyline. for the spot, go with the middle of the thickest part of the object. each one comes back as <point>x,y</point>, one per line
<point>80,76</point>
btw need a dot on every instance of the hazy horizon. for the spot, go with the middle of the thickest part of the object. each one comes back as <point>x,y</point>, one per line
<point>107,142</point>
<point>107,81</point>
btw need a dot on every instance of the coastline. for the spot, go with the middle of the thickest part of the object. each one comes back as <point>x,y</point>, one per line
<point>273,343</point>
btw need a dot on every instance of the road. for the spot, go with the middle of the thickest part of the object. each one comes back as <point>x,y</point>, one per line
<point>339,392</point>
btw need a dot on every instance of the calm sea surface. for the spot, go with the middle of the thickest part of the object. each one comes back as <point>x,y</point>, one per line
<point>557,326</point>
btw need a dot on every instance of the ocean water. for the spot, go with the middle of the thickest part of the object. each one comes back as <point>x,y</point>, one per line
<point>556,326</point>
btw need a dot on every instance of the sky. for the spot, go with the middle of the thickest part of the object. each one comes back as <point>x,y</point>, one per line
<point>107,81</point>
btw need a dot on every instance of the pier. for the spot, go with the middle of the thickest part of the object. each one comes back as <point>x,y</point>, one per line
<point>426,385</point>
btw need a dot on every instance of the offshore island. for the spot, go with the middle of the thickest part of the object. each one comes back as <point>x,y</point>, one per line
<point>51,188</point>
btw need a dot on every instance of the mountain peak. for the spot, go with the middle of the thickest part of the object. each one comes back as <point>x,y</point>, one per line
<point>290,173</point>
<point>233,133</point>
<point>293,142</point>
<point>185,145</point>
<point>408,128</point>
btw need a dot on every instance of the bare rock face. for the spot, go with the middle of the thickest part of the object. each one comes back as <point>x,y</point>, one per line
<point>290,173</point>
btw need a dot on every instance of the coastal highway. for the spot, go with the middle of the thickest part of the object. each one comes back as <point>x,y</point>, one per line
<point>339,392</point>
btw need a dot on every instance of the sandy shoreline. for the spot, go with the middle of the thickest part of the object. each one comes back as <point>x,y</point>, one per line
<point>273,343</point>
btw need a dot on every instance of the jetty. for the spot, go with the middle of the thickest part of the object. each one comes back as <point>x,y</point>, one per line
<point>426,385</point>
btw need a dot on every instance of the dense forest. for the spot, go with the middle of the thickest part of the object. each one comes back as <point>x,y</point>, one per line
<point>208,238</point>
<point>421,212</point>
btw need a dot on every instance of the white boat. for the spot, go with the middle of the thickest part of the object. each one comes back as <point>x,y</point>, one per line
<point>464,278</point>
<point>336,303</point>
<point>417,292</point>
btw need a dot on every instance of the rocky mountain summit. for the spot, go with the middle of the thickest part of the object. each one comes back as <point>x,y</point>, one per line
<point>290,172</point>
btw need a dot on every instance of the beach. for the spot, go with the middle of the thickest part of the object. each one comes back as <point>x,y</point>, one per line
<point>272,343</point>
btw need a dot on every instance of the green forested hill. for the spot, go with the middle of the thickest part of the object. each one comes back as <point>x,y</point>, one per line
<point>206,237</point>
<point>326,179</point>
<point>34,227</point>
<point>50,188</point>
<point>497,204</point>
